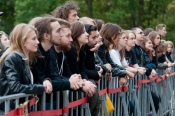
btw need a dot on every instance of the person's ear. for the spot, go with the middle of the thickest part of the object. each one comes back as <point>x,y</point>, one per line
<point>46,36</point>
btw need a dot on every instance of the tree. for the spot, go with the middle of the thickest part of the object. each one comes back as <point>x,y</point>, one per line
<point>126,13</point>
<point>8,18</point>
<point>28,9</point>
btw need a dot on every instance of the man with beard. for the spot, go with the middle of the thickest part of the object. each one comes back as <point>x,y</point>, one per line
<point>49,31</point>
<point>59,60</point>
<point>94,73</point>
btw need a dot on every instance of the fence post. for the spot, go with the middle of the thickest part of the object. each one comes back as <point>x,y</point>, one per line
<point>65,101</point>
<point>151,100</point>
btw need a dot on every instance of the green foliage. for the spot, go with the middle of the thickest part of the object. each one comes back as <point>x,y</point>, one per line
<point>28,9</point>
<point>126,13</point>
<point>7,19</point>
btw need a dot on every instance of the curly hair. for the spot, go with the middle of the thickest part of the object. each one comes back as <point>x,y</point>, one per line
<point>63,11</point>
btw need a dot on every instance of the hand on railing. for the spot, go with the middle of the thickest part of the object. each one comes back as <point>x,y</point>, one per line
<point>89,88</point>
<point>48,86</point>
<point>123,81</point>
<point>153,73</point>
<point>168,70</point>
<point>130,75</point>
<point>169,64</point>
<point>108,75</point>
<point>108,66</point>
<point>141,70</point>
<point>75,81</point>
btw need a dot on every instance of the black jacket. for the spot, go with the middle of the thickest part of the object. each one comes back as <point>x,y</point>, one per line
<point>41,71</point>
<point>75,66</point>
<point>130,57</point>
<point>168,55</point>
<point>99,62</point>
<point>15,76</point>
<point>90,65</point>
<point>140,59</point>
<point>162,58</point>
<point>56,62</point>
<point>105,57</point>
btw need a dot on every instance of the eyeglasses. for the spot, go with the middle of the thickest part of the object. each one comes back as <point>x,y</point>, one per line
<point>140,33</point>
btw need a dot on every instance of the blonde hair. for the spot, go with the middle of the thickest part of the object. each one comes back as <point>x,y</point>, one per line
<point>170,43</point>
<point>160,26</point>
<point>87,20</point>
<point>127,32</point>
<point>17,37</point>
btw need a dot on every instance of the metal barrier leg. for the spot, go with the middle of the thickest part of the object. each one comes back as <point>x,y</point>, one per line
<point>43,102</point>
<point>65,100</point>
<point>144,100</point>
<point>58,100</point>
<point>87,110</point>
<point>160,103</point>
<point>122,95</point>
<point>103,103</point>
<point>151,100</point>
<point>136,102</point>
<point>51,101</point>
<point>170,93</point>
<point>7,104</point>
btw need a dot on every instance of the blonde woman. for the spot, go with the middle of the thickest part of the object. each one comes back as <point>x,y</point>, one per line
<point>15,74</point>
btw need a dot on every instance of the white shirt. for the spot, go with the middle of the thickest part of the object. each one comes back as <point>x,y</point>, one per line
<point>116,58</point>
<point>31,75</point>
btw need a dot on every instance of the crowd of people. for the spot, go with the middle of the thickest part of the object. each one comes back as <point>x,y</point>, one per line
<point>61,51</point>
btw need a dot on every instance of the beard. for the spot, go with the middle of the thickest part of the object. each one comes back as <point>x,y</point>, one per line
<point>64,46</point>
<point>90,45</point>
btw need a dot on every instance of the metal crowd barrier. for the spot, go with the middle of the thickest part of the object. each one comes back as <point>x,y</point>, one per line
<point>12,101</point>
<point>144,95</point>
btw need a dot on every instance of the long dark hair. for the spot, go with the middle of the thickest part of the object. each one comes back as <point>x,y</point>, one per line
<point>143,43</point>
<point>152,35</point>
<point>110,30</point>
<point>77,29</point>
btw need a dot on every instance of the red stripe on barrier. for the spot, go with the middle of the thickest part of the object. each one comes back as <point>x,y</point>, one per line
<point>14,112</point>
<point>102,92</point>
<point>20,111</point>
<point>47,113</point>
<point>33,101</point>
<point>144,81</point>
<point>158,80</point>
<point>78,102</point>
<point>115,90</point>
<point>60,111</point>
<point>65,109</point>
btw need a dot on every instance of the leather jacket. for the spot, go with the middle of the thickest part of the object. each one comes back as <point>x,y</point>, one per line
<point>105,57</point>
<point>15,76</point>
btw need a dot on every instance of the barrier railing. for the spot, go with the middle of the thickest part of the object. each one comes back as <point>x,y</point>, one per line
<point>144,95</point>
<point>7,103</point>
